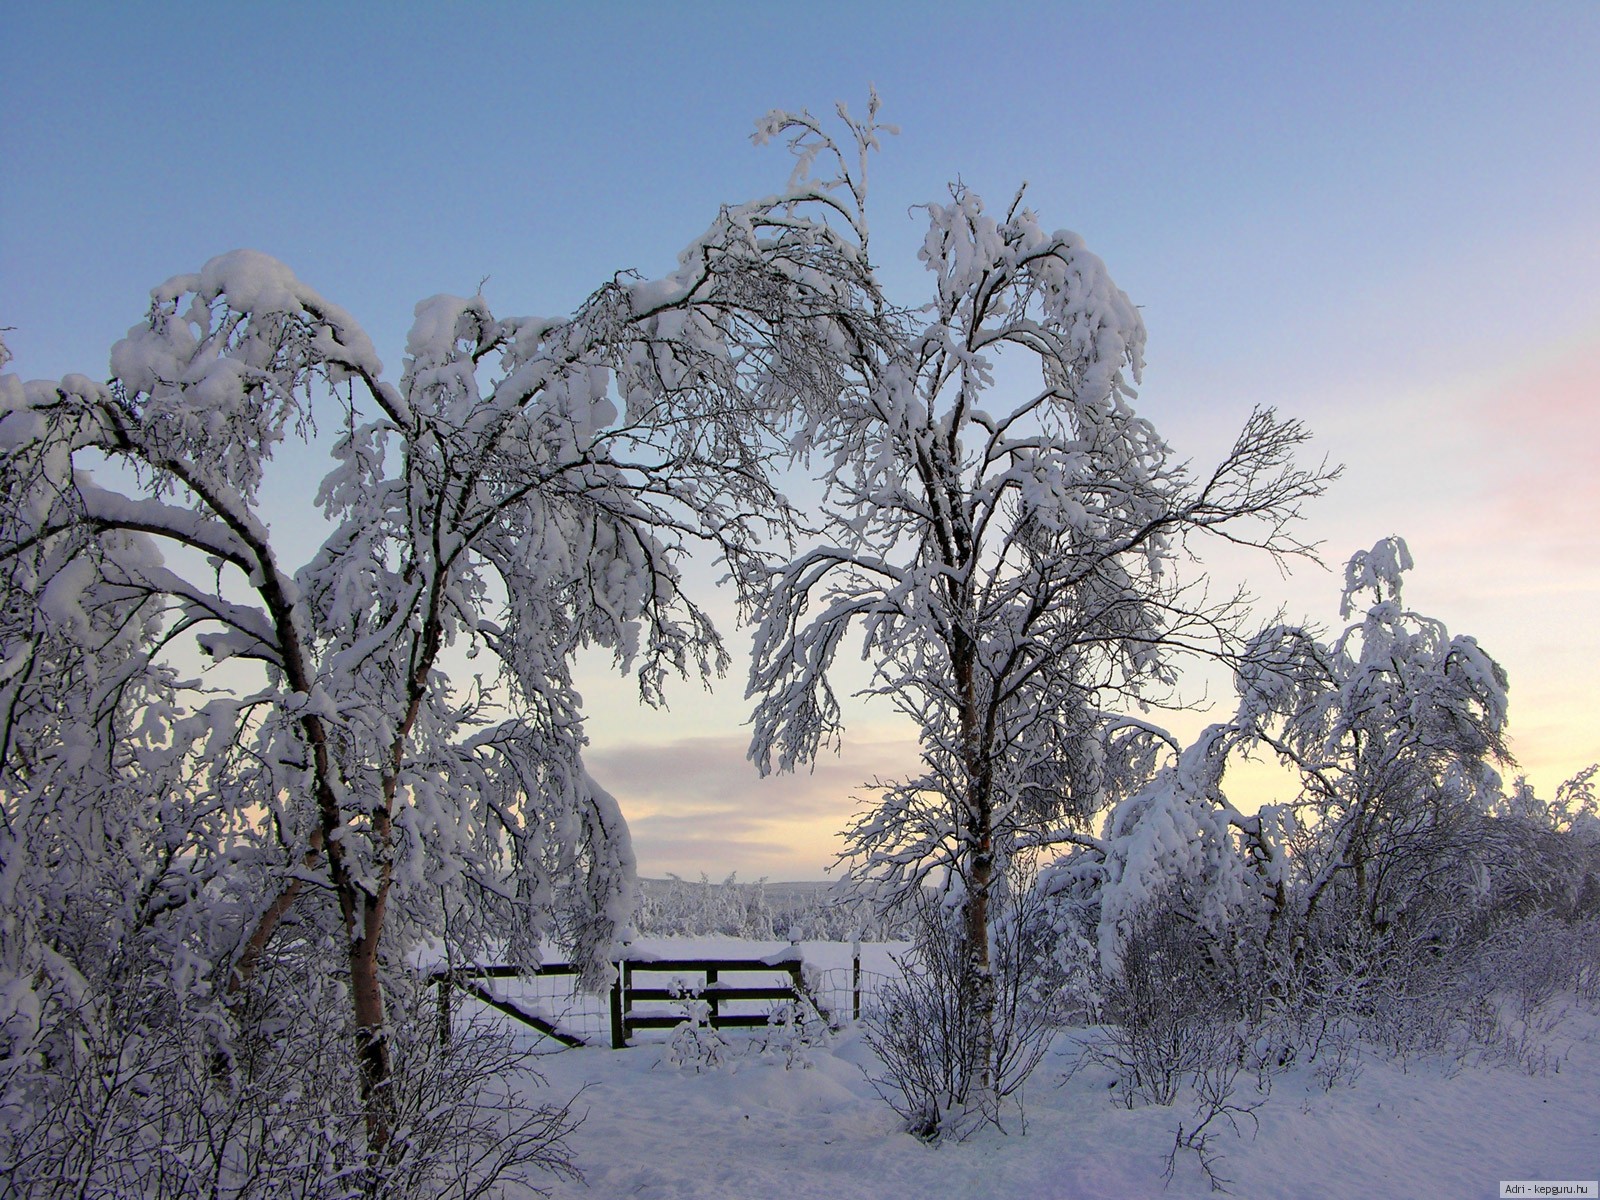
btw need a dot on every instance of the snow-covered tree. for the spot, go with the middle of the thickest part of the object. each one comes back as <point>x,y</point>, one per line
<point>526,488</point>
<point>1575,808</point>
<point>1390,732</point>
<point>1175,841</point>
<point>1002,529</point>
<point>1393,729</point>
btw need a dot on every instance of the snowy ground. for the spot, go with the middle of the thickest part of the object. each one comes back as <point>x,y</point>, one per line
<point>1433,1127</point>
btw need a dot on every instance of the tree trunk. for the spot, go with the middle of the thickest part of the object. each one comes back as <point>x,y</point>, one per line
<point>372,1040</point>
<point>979,984</point>
<point>977,842</point>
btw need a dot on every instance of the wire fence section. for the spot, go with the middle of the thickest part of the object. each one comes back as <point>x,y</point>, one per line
<point>549,1001</point>
<point>844,995</point>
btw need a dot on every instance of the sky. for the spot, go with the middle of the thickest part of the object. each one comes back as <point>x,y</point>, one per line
<point>1382,219</point>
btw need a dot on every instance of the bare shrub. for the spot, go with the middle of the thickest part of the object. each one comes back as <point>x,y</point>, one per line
<point>464,1125</point>
<point>135,1095</point>
<point>1453,979</point>
<point>1586,949</point>
<point>1534,958</point>
<point>1336,1057</point>
<point>1216,1090</point>
<point>934,1071</point>
<point>1169,1016</point>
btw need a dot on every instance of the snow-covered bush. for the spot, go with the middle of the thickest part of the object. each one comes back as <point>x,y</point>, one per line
<point>794,1029</point>
<point>1173,842</point>
<point>1397,896</point>
<point>1489,941</point>
<point>696,1045</point>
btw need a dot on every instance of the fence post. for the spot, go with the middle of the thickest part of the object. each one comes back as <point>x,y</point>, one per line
<point>444,1011</point>
<point>855,977</point>
<point>619,1032</point>
<point>711,989</point>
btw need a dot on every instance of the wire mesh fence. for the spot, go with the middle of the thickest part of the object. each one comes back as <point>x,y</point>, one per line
<point>845,994</point>
<point>552,997</point>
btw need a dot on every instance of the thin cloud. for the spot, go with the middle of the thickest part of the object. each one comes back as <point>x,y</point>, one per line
<point>1547,430</point>
<point>696,804</point>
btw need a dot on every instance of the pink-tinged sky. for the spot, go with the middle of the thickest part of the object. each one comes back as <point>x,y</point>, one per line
<point>1384,219</point>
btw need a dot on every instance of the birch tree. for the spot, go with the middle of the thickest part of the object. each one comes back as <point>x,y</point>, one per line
<point>527,487</point>
<point>1002,530</point>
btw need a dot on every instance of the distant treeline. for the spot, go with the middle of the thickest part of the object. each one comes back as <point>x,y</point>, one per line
<point>760,911</point>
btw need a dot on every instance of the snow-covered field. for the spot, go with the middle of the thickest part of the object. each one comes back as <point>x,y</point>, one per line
<point>1432,1127</point>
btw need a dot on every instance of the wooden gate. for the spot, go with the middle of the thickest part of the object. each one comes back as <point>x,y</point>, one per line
<point>665,980</point>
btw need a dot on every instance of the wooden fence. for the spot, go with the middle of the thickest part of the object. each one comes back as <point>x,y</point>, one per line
<point>665,981</point>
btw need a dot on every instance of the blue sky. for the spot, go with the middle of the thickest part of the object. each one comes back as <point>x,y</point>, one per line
<point>1384,219</point>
